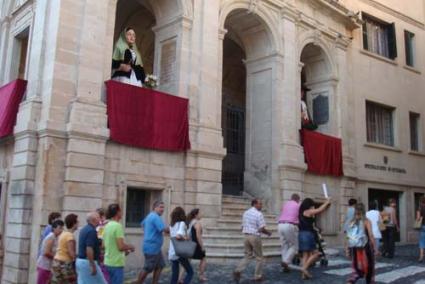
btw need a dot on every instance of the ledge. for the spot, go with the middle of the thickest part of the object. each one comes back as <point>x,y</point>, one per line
<point>416,153</point>
<point>379,57</point>
<point>412,69</point>
<point>383,147</point>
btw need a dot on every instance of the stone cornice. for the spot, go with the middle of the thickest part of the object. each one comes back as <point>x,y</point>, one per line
<point>394,13</point>
<point>184,20</point>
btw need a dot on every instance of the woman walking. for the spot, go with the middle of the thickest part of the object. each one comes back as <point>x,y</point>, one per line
<point>178,231</point>
<point>361,246</point>
<point>306,237</point>
<point>63,267</point>
<point>195,233</point>
<point>420,217</point>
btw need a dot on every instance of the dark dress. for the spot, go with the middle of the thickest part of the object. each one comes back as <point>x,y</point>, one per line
<point>306,235</point>
<point>199,253</point>
<point>138,70</point>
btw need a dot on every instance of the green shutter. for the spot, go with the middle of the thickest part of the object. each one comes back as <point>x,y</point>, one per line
<point>392,41</point>
<point>365,43</point>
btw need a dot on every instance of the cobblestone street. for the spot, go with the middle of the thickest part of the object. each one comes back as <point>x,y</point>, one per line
<point>404,268</point>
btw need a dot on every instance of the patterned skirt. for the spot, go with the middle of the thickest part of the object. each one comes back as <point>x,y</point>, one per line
<point>63,272</point>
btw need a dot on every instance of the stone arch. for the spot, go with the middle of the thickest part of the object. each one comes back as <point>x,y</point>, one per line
<point>315,38</point>
<point>319,74</point>
<point>267,21</point>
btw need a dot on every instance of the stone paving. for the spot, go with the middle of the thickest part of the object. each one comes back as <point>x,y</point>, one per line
<point>404,268</point>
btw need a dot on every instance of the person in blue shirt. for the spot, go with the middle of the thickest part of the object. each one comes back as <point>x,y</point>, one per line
<point>87,263</point>
<point>154,228</point>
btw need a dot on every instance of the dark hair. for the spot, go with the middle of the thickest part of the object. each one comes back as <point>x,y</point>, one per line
<point>100,211</point>
<point>373,205</point>
<point>57,223</point>
<point>53,216</point>
<point>295,197</point>
<point>192,215</point>
<point>178,215</point>
<point>359,208</point>
<point>305,205</point>
<point>352,202</point>
<point>129,28</point>
<point>254,201</point>
<point>113,210</point>
<point>157,203</point>
<point>71,220</point>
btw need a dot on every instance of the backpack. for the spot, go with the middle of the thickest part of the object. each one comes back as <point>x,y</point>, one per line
<point>356,235</point>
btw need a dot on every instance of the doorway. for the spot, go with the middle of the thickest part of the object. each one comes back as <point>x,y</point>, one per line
<point>381,197</point>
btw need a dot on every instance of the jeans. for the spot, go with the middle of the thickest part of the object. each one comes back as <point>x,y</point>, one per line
<point>116,274</point>
<point>175,270</point>
<point>84,273</point>
<point>388,238</point>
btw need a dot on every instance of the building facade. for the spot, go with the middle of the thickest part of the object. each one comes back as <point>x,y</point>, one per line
<point>241,64</point>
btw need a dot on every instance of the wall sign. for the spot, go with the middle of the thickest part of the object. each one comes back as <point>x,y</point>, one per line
<point>385,169</point>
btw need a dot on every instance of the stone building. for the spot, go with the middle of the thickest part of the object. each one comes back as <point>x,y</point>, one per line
<point>241,64</point>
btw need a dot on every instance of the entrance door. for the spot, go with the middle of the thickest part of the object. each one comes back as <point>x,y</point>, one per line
<point>381,197</point>
<point>234,142</point>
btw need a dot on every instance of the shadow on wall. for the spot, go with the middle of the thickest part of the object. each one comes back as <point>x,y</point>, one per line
<point>257,183</point>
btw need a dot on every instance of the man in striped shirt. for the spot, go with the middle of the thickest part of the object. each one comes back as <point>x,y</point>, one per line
<point>253,225</point>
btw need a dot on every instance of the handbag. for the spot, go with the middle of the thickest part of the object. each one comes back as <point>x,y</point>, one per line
<point>418,224</point>
<point>184,248</point>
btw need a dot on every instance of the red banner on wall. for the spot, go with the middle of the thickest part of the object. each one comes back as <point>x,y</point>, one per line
<point>146,118</point>
<point>10,97</point>
<point>323,153</point>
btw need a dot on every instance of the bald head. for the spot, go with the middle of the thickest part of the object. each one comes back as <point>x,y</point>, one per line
<point>93,218</point>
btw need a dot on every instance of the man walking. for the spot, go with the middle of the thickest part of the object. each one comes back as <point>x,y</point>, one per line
<point>153,239</point>
<point>253,225</point>
<point>87,263</point>
<point>288,230</point>
<point>115,247</point>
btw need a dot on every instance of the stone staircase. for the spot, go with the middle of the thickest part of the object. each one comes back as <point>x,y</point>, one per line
<point>224,242</point>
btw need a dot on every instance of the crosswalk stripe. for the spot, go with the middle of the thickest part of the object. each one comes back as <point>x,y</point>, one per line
<point>393,275</point>
<point>420,282</point>
<point>337,262</point>
<point>348,270</point>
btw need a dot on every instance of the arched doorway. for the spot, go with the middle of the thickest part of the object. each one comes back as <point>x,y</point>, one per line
<point>139,16</point>
<point>316,76</point>
<point>247,102</point>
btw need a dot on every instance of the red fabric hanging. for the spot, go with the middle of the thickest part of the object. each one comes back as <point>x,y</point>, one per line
<point>10,97</point>
<point>145,118</point>
<point>323,153</point>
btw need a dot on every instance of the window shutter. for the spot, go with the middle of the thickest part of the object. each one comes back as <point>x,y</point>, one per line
<point>365,43</point>
<point>392,41</point>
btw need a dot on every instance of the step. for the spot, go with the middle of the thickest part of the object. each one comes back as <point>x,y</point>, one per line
<point>234,258</point>
<point>239,248</point>
<point>234,215</point>
<point>232,230</point>
<point>270,220</point>
<point>239,206</point>
<point>236,201</point>
<point>233,239</point>
<point>226,223</point>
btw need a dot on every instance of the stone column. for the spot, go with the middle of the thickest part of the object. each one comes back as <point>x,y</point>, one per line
<point>292,166</point>
<point>4,33</point>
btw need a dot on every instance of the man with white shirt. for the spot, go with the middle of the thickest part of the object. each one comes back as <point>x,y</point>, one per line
<point>253,225</point>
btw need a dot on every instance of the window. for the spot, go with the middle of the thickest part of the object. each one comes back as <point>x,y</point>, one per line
<point>409,43</point>
<point>137,206</point>
<point>379,124</point>
<point>379,37</point>
<point>414,131</point>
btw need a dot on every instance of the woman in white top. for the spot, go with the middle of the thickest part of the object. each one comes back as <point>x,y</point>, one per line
<point>374,217</point>
<point>178,230</point>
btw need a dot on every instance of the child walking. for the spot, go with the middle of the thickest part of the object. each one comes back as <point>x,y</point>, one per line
<point>361,247</point>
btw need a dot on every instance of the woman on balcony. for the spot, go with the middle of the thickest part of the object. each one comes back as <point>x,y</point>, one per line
<point>127,65</point>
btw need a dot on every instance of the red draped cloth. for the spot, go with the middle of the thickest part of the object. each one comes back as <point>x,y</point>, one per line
<point>323,153</point>
<point>10,98</point>
<point>145,118</point>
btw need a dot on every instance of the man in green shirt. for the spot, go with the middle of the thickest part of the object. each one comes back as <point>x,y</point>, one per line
<point>115,247</point>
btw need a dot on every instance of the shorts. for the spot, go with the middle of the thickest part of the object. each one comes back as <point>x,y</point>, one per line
<point>306,241</point>
<point>153,262</point>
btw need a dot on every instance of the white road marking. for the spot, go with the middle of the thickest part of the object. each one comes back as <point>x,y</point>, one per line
<point>393,275</point>
<point>348,270</point>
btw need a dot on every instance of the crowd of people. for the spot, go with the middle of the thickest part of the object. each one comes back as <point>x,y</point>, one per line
<point>99,255</point>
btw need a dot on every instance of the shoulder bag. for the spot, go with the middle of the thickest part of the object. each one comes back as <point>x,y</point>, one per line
<point>184,248</point>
